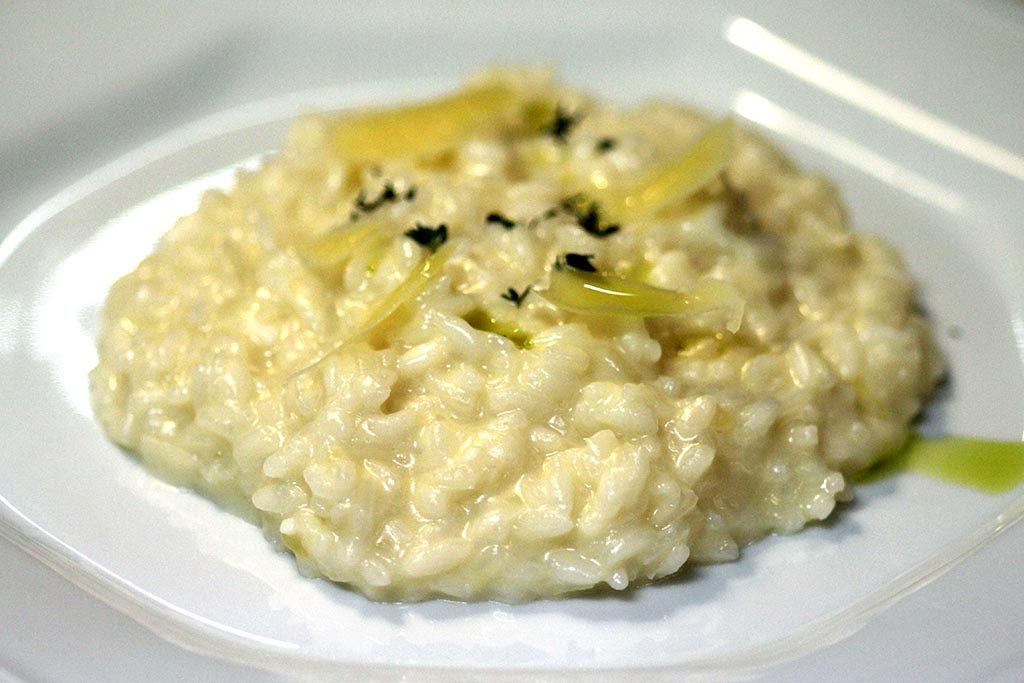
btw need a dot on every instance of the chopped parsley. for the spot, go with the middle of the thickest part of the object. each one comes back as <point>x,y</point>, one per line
<point>516,297</point>
<point>500,219</point>
<point>388,195</point>
<point>588,215</point>
<point>562,124</point>
<point>426,236</point>
<point>606,144</point>
<point>580,262</point>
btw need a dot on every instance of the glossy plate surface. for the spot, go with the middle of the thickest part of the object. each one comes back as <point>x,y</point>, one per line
<point>949,197</point>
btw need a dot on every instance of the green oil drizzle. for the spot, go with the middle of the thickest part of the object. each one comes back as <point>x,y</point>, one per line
<point>990,466</point>
<point>484,321</point>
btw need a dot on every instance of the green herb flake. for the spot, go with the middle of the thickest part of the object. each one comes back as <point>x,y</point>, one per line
<point>500,219</point>
<point>426,236</point>
<point>562,124</point>
<point>516,297</point>
<point>588,216</point>
<point>580,262</point>
<point>388,194</point>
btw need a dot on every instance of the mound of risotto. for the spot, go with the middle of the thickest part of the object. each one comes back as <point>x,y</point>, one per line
<point>515,343</point>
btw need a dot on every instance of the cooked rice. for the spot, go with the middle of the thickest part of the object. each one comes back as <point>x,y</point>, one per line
<point>429,456</point>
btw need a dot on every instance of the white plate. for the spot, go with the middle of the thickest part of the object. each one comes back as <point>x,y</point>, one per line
<point>949,197</point>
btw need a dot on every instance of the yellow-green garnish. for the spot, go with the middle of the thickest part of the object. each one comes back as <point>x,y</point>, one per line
<point>422,129</point>
<point>425,273</point>
<point>480,319</point>
<point>328,252</point>
<point>672,182</point>
<point>983,464</point>
<point>591,292</point>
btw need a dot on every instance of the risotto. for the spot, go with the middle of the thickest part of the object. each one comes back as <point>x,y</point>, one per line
<point>515,343</point>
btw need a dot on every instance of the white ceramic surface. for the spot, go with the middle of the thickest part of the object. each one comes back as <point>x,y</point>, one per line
<point>947,188</point>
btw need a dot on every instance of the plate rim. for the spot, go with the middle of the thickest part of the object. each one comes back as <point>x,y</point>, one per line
<point>228,644</point>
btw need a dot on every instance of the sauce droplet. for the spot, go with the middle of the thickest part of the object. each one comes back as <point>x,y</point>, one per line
<point>983,464</point>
